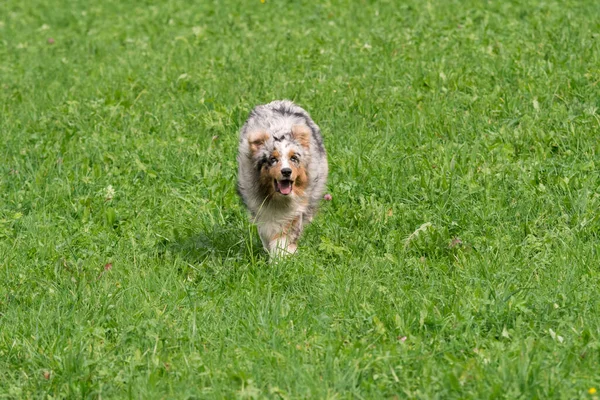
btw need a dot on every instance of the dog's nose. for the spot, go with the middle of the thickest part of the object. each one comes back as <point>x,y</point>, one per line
<point>286,172</point>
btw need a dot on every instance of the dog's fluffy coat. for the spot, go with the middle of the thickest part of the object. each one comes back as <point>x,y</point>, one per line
<point>282,171</point>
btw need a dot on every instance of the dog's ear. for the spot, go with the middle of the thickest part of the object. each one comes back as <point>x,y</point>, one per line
<point>256,140</point>
<point>301,134</point>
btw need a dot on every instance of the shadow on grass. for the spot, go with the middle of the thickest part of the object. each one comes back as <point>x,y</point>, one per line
<point>220,242</point>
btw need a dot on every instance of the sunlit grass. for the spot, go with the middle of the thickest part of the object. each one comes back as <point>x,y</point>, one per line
<point>458,257</point>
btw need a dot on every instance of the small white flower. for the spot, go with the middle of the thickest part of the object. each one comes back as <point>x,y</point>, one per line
<point>109,193</point>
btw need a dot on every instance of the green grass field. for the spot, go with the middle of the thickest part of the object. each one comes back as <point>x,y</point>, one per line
<point>459,257</point>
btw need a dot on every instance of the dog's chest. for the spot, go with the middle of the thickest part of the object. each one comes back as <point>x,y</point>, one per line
<point>274,218</point>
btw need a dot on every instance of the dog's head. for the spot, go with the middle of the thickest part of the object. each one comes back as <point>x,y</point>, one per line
<point>281,160</point>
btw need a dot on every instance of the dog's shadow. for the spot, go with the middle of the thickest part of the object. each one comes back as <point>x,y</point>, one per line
<point>216,242</point>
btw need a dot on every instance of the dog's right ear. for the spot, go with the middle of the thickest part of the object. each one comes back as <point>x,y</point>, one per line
<point>256,140</point>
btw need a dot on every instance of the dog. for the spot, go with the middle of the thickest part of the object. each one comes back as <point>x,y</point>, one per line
<point>282,172</point>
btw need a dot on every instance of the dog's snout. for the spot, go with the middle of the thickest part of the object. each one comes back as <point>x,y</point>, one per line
<point>286,172</point>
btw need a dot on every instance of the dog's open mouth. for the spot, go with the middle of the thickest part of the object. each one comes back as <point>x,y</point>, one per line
<point>284,186</point>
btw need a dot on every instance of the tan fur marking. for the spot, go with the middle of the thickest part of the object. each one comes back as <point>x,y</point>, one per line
<point>300,181</point>
<point>301,133</point>
<point>256,140</point>
<point>266,180</point>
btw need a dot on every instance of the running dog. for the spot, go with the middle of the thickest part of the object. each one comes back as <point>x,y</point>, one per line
<point>282,171</point>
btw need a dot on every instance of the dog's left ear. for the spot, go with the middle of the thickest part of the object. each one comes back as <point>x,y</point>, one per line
<point>301,134</point>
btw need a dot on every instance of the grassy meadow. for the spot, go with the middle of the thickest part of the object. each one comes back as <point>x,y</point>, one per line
<point>459,257</point>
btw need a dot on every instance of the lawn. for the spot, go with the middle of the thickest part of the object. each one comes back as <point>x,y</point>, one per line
<point>459,257</point>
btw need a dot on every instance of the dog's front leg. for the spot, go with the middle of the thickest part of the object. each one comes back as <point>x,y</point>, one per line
<point>283,242</point>
<point>282,246</point>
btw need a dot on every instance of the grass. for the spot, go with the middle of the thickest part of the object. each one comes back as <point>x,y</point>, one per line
<point>129,268</point>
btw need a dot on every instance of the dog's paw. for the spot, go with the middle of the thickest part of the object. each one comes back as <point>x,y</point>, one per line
<point>280,248</point>
<point>280,252</point>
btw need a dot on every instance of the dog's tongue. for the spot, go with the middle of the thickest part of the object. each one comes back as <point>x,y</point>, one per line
<point>285,187</point>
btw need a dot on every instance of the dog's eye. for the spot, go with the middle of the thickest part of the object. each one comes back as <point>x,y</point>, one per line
<point>294,159</point>
<point>273,160</point>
